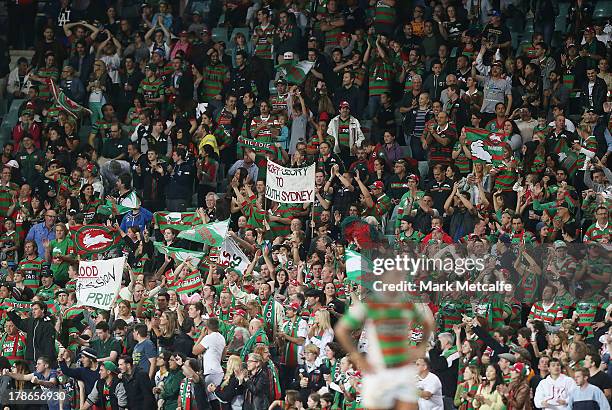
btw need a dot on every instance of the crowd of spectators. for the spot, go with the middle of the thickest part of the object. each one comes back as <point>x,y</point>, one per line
<point>474,129</point>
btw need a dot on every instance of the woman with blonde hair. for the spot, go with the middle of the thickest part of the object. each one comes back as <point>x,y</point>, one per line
<point>124,312</point>
<point>467,390</point>
<point>97,87</point>
<point>321,332</point>
<point>166,330</point>
<point>230,392</point>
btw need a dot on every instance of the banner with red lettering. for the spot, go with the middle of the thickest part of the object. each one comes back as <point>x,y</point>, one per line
<point>290,185</point>
<point>98,282</point>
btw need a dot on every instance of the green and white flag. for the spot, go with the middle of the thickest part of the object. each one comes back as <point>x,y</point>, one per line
<point>295,73</point>
<point>232,257</point>
<point>179,254</point>
<point>180,221</point>
<point>357,266</point>
<point>212,234</point>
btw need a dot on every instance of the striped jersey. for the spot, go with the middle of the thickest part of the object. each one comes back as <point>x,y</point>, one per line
<point>265,39</point>
<point>462,162</point>
<point>191,283</point>
<point>150,89</point>
<point>597,233</point>
<point>31,269</point>
<point>380,76</point>
<point>332,36</point>
<point>46,73</point>
<point>586,312</point>
<point>389,342</point>
<point>384,17</point>
<point>344,131</point>
<point>381,206</point>
<point>279,229</point>
<point>214,78</point>
<point>439,152</point>
<point>7,194</point>
<point>551,314</point>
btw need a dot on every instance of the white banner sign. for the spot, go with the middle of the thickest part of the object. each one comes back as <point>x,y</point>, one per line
<point>232,257</point>
<point>99,281</point>
<point>290,185</point>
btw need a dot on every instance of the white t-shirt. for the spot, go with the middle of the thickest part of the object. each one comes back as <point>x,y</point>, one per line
<point>432,384</point>
<point>214,344</point>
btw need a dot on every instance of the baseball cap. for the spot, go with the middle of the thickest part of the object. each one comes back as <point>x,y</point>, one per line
<point>495,13</point>
<point>413,177</point>
<point>288,55</point>
<point>184,33</point>
<point>110,366</point>
<point>377,185</point>
<point>60,291</point>
<point>239,311</point>
<point>508,356</point>
<point>559,244</point>
<point>281,81</point>
<point>519,368</point>
<point>344,104</point>
<point>12,163</point>
<point>524,353</point>
<point>160,52</point>
<point>293,305</point>
<point>89,352</point>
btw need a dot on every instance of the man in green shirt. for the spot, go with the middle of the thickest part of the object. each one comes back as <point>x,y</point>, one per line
<point>106,346</point>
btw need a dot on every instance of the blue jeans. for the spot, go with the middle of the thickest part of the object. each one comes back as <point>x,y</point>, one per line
<point>373,104</point>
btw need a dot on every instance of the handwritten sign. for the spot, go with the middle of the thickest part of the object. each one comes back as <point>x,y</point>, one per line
<point>99,281</point>
<point>290,185</point>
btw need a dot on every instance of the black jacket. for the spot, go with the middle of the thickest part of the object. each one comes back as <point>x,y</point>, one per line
<point>40,336</point>
<point>256,392</point>
<point>599,95</point>
<point>315,380</point>
<point>180,181</point>
<point>354,96</point>
<point>447,374</point>
<point>139,390</point>
<point>227,393</point>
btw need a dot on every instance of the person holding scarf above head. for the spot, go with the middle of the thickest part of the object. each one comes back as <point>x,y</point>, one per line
<point>273,312</point>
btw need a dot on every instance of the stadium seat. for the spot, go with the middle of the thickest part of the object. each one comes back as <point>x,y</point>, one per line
<point>561,19</point>
<point>603,9</point>
<point>220,34</point>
